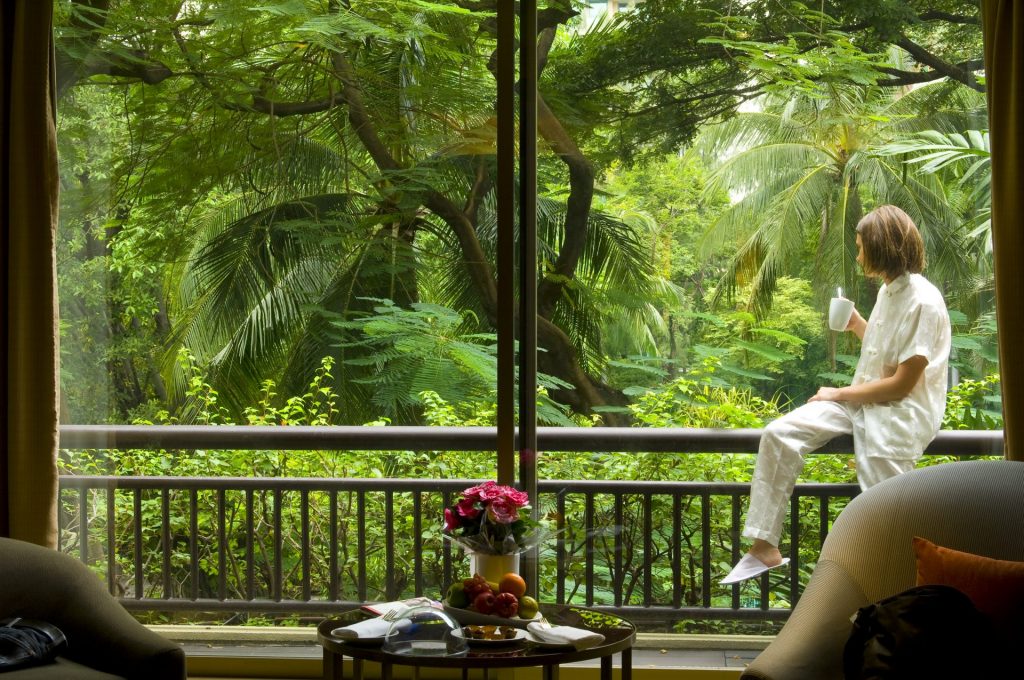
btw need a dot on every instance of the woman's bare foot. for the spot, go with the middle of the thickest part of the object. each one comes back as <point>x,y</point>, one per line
<point>766,552</point>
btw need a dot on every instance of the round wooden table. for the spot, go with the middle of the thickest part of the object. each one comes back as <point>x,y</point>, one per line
<point>619,636</point>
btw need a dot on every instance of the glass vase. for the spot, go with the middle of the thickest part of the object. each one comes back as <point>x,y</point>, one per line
<point>493,567</point>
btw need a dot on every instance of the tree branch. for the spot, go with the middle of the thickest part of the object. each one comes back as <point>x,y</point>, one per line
<point>935,15</point>
<point>476,260</point>
<point>901,77</point>
<point>481,185</point>
<point>581,192</point>
<point>148,71</point>
<point>744,93</point>
<point>950,70</point>
<point>545,39</point>
<point>358,116</point>
<point>559,358</point>
<point>284,109</point>
<point>577,208</point>
<point>91,15</point>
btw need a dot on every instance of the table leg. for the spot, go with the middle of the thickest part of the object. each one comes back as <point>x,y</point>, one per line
<point>551,672</point>
<point>627,664</point>
<point>606,667</point>
<point>385,670</point>
<point>330,673</point>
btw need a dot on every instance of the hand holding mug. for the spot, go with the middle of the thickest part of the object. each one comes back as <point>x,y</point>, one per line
<point>839,312</point>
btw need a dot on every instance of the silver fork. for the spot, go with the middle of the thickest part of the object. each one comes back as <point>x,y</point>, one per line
<point>391,614</point>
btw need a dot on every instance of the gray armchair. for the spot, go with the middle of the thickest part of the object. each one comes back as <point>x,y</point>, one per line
<point>104,641</point>
<point>970,506</point>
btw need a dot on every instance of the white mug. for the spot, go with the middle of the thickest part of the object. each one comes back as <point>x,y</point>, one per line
<point>839,312</point>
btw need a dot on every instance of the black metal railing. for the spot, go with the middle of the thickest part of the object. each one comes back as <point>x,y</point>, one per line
<point>650,550</point>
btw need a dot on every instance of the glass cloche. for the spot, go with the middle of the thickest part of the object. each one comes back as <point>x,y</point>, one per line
<point>425,631</point>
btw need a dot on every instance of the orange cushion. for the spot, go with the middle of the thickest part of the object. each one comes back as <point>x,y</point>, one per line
<point>995,586</point>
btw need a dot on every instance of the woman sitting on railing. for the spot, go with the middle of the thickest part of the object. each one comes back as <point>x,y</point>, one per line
<point>895,404</point>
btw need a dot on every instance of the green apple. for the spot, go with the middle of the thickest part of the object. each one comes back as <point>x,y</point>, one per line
<point>456,596</point>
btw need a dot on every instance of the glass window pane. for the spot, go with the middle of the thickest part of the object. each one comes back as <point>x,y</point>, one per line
<point>291,200</point>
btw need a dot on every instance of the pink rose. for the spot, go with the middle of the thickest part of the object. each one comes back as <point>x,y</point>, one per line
<point>502,512</point>
<point>478,493</point>
<point>451,522</point>
<point>489,491</point>
<point>516,497</point>
<point>467,508</point>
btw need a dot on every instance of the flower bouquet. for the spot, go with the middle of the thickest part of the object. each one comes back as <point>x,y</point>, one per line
<point>492,524</point>
<point>488,519</point>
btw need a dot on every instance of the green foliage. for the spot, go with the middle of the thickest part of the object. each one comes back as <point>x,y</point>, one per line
<point>670,191</point>
<point>318,406</point>
<point>975,349</point>
<point>789,65</point>
<point>408,354</point>
<point>963,162</point>
<point>699,400</point>
<point>409,351</point>
<point>805,172</point>
<point>648,71</point>
<point>974,405</point>
<point>222,198</point>
<point>777,354</point>
<point>667,194</point>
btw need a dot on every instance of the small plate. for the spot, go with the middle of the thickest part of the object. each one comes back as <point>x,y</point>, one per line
<point>519,637</point>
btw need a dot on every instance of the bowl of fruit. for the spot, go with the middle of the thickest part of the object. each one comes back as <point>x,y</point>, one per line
<point>476,600</point>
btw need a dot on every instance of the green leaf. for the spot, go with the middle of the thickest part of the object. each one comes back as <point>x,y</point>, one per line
<point>736,370</point>
<point>766,351</point>
<point>965,342</point>
<point>957,318</point>
<point>779,335</point>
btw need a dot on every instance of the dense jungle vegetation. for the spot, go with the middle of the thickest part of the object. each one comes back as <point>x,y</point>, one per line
<point>282,213</point>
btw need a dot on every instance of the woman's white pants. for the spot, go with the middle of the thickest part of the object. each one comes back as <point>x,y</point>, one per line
<point>780,458</point>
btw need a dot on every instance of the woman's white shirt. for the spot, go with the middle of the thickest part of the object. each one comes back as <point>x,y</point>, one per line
<point>909,319</point>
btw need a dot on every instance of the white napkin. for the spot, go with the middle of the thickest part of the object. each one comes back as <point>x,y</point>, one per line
<point>370,628</point>
<point>565,635</point>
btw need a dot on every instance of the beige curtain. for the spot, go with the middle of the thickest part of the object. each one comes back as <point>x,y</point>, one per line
<point>28,301</point>
<point>1004,78</point>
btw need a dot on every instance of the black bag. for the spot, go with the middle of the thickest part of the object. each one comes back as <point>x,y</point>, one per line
<point>24,642</point>
<point>924,632</point>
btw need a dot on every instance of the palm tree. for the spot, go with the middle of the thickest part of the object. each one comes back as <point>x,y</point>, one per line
<point>384,190</point>
<point>803,170</point>
<point>963,161</point>
<point>271,276</point>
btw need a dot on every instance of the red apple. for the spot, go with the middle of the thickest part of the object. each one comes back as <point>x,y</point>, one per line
<point>506,604</point>
<point>484,602</point>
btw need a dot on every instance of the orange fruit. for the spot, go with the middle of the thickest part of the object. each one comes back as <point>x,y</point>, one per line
<point>512,583</point>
